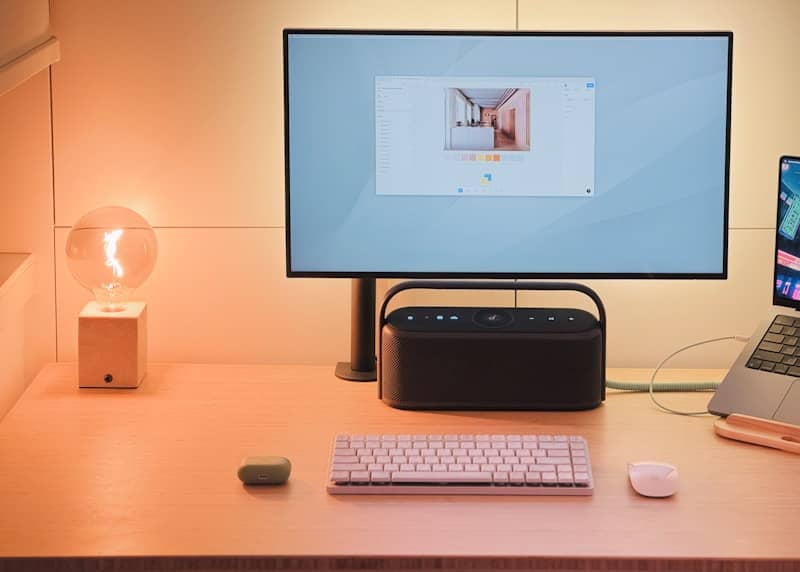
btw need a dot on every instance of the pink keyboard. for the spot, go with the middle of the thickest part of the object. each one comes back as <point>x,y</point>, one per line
<point>461,464</point>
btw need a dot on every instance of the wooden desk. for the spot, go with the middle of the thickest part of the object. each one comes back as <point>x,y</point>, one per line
<point>150,474</point>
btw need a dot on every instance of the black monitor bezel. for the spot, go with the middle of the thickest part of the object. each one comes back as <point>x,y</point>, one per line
<point>722,275</point>
<point>776,300</point>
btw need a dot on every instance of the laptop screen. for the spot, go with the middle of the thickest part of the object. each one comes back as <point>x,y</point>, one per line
<point>787,238</point>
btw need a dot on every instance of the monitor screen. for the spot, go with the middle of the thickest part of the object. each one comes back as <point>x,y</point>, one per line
<point>507,154</point>
<point>787,240</point>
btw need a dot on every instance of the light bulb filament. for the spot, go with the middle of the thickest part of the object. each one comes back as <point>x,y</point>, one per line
<point>110,240</point>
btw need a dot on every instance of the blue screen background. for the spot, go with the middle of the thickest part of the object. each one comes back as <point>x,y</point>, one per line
<point>660,161</point>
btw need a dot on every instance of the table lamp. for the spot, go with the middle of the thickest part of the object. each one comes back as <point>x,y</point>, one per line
<point>111,251</point>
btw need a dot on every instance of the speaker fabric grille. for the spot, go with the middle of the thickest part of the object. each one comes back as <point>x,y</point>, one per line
<point>493,370</point>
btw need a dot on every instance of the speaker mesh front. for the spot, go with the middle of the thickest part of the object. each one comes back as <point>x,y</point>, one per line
<point>491,370</point>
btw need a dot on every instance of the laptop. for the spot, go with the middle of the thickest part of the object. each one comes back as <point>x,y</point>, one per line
<point>765,379</point>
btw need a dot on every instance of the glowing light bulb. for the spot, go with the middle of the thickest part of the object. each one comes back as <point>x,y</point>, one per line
<point>111,251</point>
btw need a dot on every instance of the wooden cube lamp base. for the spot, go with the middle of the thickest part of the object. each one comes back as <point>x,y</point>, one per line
<point>112,346</point>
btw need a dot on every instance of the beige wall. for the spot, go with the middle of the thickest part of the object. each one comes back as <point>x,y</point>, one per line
<point>26,219</point>
<point>27,319</point>
<point>170,108</point>
<point>175,110</point>
<point>23,25</point>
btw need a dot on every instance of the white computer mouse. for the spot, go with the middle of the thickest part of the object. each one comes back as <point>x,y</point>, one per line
<point>653,479</point>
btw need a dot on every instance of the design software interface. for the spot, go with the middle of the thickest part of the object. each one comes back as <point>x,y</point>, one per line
<point>515,154</point>
<point>474,135</point>
<point>787,269</point>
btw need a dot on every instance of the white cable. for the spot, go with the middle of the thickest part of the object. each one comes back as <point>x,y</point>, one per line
<point>673,354</point>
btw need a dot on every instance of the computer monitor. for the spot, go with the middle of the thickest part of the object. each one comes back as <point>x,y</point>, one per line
<point>787,238</point>
<point>507,154</point>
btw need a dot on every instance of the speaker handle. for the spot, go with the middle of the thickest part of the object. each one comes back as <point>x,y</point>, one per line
<point>501,285</point>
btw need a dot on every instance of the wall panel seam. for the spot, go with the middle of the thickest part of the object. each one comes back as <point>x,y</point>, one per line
<point>53,210</point>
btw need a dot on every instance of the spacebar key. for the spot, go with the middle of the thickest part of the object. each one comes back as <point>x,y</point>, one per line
<point>440,477</point>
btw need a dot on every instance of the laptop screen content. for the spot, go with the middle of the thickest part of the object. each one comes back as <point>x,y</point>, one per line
<point>787,238</point>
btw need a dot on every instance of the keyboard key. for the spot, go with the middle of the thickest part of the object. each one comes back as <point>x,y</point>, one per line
<point>553,460</point>
<point>777,338</point>
<point>500,478</point>
<point>767,356</point>
<point>441,477</point>
<point>348,467</point>
<point>770,346</point>
<point>540,468</point>
<point>554,445</point>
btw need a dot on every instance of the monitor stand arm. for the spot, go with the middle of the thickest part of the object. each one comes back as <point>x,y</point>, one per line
<point>361,366</point>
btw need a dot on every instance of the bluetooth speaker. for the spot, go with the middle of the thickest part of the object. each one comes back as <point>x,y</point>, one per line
<point>491,358</point>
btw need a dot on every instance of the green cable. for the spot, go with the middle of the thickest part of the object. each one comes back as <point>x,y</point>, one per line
<point>671,386</point>
<point>652,388</point>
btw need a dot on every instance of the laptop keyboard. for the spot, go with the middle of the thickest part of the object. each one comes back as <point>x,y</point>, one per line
<point>779,348</point>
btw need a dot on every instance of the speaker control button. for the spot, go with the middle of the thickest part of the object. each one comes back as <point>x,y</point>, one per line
<point>493,318</point>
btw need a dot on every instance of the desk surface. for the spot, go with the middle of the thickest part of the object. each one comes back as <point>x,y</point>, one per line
<point>151,472</point>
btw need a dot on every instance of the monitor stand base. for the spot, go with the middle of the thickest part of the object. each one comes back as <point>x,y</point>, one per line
<point>344,371</point>
<point>362,364</point>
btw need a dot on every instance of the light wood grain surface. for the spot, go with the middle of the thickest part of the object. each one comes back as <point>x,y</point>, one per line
<point>151,473</point>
